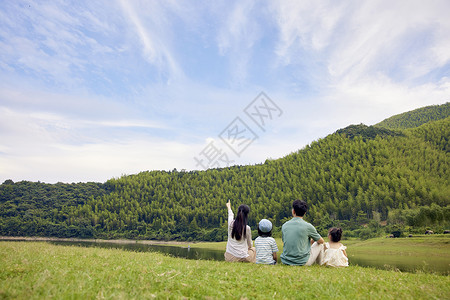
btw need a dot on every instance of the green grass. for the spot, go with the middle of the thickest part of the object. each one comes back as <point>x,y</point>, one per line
<point>44,271</point>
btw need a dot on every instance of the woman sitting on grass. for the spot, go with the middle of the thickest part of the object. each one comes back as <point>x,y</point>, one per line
<point>334,252</point>
<point>239,244</point>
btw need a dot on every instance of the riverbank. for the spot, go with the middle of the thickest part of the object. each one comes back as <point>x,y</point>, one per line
<point>439,241</point>
<point>437,244</point>
<point>121,241</point>
<point>46,271</point>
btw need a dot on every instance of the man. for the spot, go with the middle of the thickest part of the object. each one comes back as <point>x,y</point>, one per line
<point>297,238</point>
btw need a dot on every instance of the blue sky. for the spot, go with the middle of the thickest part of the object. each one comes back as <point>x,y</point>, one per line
<point>91,91</point>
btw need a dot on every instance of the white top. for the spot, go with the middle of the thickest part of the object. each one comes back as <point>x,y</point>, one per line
<point>265,247</point>
<point>335,257</point>
<point>235,247</point>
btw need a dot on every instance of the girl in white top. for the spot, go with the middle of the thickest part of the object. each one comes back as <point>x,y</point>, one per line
<point>334,252</point>
<point>239,244</point>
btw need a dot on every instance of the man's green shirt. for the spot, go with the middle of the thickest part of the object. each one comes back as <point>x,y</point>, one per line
<point>296,241</point>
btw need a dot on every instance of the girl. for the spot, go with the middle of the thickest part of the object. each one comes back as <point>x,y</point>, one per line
<point>334,254</point>
<point>239,244</point>
<point>266,247</point>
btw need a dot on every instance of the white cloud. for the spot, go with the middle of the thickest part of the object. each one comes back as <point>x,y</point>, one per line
<point>154,31</point>
<point>366,38</point>
<point>52,41</point>
<point>95,162</point>
<point>382,98</point>
<point>50,147</point>
<point>380,38</point>
<point>305,24</point>
<point>37,98</point>
<point>239,28</point>
<point>237,36</point>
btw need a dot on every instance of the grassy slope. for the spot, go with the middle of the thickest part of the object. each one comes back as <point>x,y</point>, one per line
<point>40,270</point>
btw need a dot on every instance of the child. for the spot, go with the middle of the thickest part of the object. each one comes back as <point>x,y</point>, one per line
<point>334,252</point>
<point>266,248</point>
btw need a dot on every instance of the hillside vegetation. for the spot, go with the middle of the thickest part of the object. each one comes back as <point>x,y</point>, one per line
<point>416,117</point>
<point>360,175</point>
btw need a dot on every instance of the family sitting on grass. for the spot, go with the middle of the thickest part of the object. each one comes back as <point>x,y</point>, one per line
<point>302,245</point>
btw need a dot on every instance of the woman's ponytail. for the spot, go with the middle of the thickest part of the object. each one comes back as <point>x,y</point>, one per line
<point>240,223</point>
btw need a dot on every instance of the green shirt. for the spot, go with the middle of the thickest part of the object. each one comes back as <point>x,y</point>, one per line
<point>296,241</point>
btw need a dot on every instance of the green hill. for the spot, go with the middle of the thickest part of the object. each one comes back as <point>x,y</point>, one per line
<point>358,175</point>
<point>367,132</point>
<point>416,117</point>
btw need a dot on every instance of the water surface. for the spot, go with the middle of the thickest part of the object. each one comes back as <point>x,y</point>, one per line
<point>183,252</point>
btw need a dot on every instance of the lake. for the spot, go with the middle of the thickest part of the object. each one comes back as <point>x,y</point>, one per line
<point>404,263</point>
<point>183,252</point>
<point>379,260</point>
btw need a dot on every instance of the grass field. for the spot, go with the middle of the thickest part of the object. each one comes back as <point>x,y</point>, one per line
<point>44,271</point>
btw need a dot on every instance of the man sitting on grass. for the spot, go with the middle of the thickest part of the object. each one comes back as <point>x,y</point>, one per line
<point>297,235</point>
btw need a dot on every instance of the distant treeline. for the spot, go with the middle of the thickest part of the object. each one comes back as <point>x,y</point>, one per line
<point>355,178</point>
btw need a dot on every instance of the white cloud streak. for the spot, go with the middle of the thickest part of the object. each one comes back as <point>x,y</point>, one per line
<point>50,41</point>
<point>237,36</point>
<point>365,39</point>
<point>153,30</point>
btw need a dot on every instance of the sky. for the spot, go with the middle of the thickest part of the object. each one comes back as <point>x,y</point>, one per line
<point>94,90</point>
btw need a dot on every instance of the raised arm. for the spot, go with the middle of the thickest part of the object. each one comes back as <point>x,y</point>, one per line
<point>230,213</point>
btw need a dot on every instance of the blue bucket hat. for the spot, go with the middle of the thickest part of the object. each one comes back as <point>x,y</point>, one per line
<point>265,225</point>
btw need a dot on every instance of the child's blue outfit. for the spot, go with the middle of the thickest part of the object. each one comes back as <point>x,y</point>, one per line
<point>265,247</point>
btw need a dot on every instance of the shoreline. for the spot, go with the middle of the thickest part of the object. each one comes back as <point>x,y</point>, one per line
<point>117,241</point>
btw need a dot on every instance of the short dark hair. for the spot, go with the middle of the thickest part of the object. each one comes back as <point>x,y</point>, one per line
<point>264,234</point>
<point>335,234</point>
<point>300,207</point>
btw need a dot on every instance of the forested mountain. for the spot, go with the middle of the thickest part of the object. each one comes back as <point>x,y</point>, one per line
<point>35,208</point>
<point>416,117</point>
<point>358,175</point>
<point>367,132</point>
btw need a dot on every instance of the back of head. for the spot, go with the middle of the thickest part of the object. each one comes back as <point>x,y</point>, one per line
<point>240,223</point>
<point>265,228</point>
<point>300,207</point>
<point>335,234</point>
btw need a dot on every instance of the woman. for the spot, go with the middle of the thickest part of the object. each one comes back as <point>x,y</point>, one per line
<point>239,245</point>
